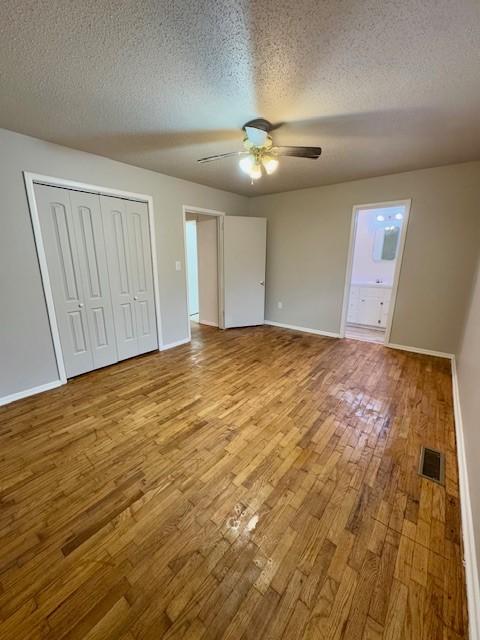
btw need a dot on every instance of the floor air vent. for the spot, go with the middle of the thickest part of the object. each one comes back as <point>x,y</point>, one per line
<point>432,464</point>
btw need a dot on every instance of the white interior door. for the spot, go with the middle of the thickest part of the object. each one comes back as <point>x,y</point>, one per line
<point>244,254</point>
<point>142,275</point>
<point>131,279</point>
<point>88,227</point>
<point>115,224</point>
<point>60,243</point>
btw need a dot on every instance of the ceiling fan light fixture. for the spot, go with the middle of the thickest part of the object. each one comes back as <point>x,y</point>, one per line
<point>255,172</point>
<point>260,154</point>
<point>251,167</point>
<point>270,164</point>
<point>247,164</point>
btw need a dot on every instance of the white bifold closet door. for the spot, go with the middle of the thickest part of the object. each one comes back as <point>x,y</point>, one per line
<point>127,235</point>
<point>100,270</point>
<point>74,244</point>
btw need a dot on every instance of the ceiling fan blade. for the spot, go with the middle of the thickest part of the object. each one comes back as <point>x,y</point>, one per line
<point>257,137</point>
<point>298,152</point>
<point>222,155</point>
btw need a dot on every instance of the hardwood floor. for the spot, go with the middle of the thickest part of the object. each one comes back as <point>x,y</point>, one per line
<point>256,484</point>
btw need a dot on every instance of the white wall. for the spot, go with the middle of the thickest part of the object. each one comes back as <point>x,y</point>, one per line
<point>26,349</point>
<point>192,265</point>
<point>207,269</point>
<point>364,268</point>
<point>307,245</point>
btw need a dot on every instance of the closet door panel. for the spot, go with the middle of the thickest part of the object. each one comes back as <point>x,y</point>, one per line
<point>91,250</point>
<point>142,275</point>
<point>116,231</point>
<point>60,243</point>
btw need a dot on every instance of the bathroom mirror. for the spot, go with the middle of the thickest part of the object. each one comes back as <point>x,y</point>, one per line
<point>386,243</point>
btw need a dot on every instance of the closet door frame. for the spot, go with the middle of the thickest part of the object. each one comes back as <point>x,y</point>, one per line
<point>31,179</point>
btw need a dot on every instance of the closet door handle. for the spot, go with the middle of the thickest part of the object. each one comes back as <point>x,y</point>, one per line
<point>80,305</point>
<point>135,297</point>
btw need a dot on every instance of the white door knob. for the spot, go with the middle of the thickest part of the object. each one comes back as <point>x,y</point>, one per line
<point>135,297</point>
<point>262,282</point>
<point>80,305</point>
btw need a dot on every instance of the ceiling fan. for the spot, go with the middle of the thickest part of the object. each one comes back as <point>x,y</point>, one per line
<point>260,154</point>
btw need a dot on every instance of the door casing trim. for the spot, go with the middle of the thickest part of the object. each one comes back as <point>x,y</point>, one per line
<point>220,217</point>
<point>406,203</point>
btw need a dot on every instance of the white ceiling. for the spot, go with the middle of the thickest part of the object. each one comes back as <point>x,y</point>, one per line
<point>382,86</point>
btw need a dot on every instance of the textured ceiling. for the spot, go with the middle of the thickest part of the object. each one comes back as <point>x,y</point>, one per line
<point>383,86</point>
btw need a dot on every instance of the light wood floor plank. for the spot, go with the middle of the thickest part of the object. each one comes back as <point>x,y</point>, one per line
<point>258,483</point>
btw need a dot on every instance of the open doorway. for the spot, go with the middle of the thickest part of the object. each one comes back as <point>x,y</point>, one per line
<point>202,266</point>
<point>192,268</point>
<point>376,248</point>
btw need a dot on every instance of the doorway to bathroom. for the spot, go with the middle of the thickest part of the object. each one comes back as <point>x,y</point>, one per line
<point>375,256</point>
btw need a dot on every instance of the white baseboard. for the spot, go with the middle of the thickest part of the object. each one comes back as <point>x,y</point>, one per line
<point>316,332</point>
<point>470,559</point>
<point>58,383</point>
<point>30,392</point>
<point>172,345</point>
<point>425,352</point>
<point>210,324</point>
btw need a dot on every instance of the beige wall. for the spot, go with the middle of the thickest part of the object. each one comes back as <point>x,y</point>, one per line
<point>468,366</point>
<point>26,350</point>
<point>207,270</point>
<point>308,233</point>
<point>307,247</point>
